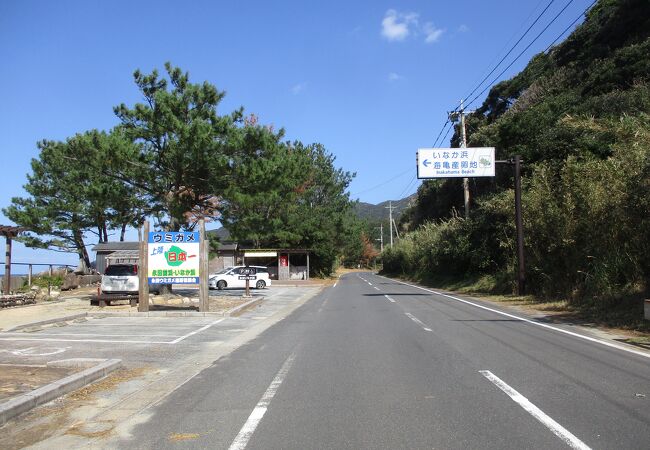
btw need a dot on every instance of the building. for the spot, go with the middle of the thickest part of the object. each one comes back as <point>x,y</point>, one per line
<point>114,252</point>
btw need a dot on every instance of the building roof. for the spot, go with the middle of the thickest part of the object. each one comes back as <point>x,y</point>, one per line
<point>114,246</point>
<point>227,247</point>
<point>124,254</point>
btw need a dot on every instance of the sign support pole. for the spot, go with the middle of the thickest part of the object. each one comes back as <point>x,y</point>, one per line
<point>204,299</point>
<point>521,272</point>
<point>519,223</point>
<point>143,270</point>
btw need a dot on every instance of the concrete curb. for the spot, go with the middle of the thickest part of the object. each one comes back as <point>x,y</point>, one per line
<point>23,403</point>
<point>238,310</point>
<point>154,314</point>
<point>48,322</point>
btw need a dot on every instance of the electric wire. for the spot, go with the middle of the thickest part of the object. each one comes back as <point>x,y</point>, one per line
<point>570,25</point>
<point>383,183</point>
<point>520,54</point>
<point>511,49</point>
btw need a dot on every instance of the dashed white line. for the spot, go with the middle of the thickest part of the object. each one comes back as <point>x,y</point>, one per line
<point>377,288</point>
<point>389,299</point>
<point>418,321</point>
<point>537,413</point>
<point>532,322</point>
<point>256,416</point>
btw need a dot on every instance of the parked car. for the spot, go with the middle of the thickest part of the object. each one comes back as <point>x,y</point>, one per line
<point>123,279</point>
<point>230,278</point>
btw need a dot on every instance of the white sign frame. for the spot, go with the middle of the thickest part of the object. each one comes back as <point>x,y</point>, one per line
<point>455,162</point>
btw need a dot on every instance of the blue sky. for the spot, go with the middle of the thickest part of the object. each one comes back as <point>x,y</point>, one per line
<point>371,80</point>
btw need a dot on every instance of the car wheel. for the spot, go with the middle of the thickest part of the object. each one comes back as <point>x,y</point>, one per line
<point>260,284</point>
<point>221,284</point>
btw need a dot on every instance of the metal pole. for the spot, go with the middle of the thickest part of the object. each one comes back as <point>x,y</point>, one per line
<point>390,221</point>
<point>521,275</point>
<point>143,271</point>
<point>463,144</point>
<point>204,299</point>
<point>7,287</point>
<point>29,276</point>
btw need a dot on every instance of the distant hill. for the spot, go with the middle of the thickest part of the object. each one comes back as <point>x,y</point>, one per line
<point>380,210</point>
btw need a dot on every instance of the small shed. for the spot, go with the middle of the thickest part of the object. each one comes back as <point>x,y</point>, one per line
<point>117,252</point>
<point>283,263</point>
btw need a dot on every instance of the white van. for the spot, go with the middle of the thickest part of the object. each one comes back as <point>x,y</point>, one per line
<point>123,279</point>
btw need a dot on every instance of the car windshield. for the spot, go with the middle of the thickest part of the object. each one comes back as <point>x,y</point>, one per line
<point>121,270</point>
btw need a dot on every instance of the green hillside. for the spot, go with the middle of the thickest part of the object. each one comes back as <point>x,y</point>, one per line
<point>578,115</point>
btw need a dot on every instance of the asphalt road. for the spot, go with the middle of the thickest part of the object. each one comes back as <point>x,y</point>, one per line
<point>373,363</point>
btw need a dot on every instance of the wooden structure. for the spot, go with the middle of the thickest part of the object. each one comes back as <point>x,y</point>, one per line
<point>104,251</point>
<point>9,232</point>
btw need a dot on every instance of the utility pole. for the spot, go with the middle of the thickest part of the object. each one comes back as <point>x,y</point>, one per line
<point>381,236</point>
<point>390,220</point>
<point>463,144</point>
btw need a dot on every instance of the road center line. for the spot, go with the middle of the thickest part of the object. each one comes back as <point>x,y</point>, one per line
<point>418,321</point>
<point>246,432</point>
<point>377,288</point>
<point>389,299</point>
<point>537,413</point>
<point>532,322</point>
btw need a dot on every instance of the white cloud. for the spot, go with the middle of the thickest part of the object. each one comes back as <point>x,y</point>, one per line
<point>432,33</point>
<point>298,88</point>
<point>397,26</point>
<point>463,28</point>
<point>394,76</point>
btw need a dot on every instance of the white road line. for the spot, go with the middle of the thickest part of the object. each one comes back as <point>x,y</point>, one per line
<point>335,284</point>
<point>255,418</point>
<point>389,299</point>
<point>85,340</point>
<point>377,288</point>
<point>88,335</point>
<point>110,341</point>
<point>539,324</point>
<point>418,321</point>
<point>537,413</point>
<point>196,331</point>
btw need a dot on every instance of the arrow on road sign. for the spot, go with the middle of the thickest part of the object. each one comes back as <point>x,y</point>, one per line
<point>426,163</point>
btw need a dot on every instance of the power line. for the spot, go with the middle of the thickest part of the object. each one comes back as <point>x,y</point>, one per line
<point>570,25</point>
<point>441,130</point>
<point>407,187</point>
<point>520,53</point>
<point>511,49</point>
<point>383,183</point>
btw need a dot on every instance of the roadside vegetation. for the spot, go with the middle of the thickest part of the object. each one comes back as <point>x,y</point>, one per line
<point>174,160</point>
<point>579,115</point>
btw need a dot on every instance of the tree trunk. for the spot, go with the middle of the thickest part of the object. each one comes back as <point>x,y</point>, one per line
<point>123,232</point>
<point>84,259</point>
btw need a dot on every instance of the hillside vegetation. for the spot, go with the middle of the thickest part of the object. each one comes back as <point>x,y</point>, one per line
<point>579,116</point>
